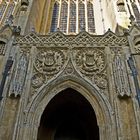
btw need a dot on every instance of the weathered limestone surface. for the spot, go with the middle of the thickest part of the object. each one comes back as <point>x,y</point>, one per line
<point>104,69</point>
<point>95,66</point>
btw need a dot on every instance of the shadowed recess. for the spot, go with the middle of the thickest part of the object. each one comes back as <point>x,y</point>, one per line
<point>68,116</point>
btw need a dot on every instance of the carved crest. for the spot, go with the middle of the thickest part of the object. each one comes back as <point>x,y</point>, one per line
<point>49,61</point>
<point>90,61</point>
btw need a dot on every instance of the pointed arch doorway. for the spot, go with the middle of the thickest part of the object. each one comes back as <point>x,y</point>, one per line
<point>68,116</point>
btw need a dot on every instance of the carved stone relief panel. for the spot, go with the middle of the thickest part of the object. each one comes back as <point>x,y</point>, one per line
<point>49,61</point>
<point>88,56</point>
<point>47,64</point>
<point>91,63</point>
<point>120,73</point>
<point>20,72</point>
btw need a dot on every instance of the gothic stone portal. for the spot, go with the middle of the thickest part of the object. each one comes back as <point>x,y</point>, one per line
<point>68,116</point>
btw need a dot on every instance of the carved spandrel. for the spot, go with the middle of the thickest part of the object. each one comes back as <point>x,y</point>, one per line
<point>48,63</point>
<point>100,80</point>
<point>38,79</point>
<point>91,63</point>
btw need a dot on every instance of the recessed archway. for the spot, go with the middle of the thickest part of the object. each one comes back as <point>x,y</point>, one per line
<point>68,116</point>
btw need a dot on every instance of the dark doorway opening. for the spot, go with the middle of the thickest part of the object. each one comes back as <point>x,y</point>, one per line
<point>68,116</point>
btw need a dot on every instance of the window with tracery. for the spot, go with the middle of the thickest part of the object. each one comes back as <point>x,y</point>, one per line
<point>64,17</point>
<point>2,9</point>
<point>133,7</point>
<point>72,23</point>
<point>91,26</point>
<point>7,8</point>
<point>9,12</point>
<point>55,17</point>
<point>81,16</point>
<point>73,16</point>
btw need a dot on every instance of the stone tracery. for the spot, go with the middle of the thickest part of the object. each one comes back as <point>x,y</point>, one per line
<point>73,17</point>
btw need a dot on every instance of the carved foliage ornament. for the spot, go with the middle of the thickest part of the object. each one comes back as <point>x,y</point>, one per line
<point>38,79</point>
<point>100,80</point>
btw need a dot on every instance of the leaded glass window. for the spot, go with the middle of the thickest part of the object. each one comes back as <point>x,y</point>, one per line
<point>91,25</point>
<point>64,17</point>
<point>9,12</point>
<point>81,16</point>
<point>8,8</point>
<point>2,9</point>
<point>55,17</point>
<point>72,17</point>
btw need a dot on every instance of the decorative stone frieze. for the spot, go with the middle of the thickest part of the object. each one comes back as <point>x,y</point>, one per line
<point>83,37</point>
<point>52,55</point>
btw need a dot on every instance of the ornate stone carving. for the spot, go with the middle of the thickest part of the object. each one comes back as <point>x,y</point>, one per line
<point>83,37</point>
<point>69,68</point>
<point>49,61</point>
<point>120,75</point>
<point>137,48</point>
<point>100,80</point>
<point>90,61</point>
<point>19,76</point>
<point>38,79</point>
